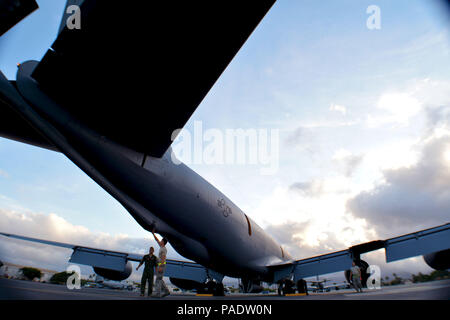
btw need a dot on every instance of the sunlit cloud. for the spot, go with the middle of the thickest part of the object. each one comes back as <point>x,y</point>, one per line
<point>338,108</point>
<point>398,109</point>
<point>55,228</point>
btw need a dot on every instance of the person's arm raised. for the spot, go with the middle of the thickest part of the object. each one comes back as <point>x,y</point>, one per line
<point>156,238</point>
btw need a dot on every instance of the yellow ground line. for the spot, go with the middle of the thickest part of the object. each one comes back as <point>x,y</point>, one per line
<point>204,295</point>
<point>295,294</point>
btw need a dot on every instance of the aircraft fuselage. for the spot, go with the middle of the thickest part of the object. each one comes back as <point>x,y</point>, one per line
<point>200,222</point>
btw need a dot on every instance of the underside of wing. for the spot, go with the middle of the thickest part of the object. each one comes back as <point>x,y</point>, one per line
<point>13,126</point>
<point>13,11</point>
<point>135,73</point>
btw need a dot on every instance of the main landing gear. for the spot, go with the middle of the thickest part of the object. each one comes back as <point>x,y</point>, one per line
<point>212,287</point>
<point>287,286</point>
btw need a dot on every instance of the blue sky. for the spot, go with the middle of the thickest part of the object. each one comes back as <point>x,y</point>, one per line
<point>303,60</point>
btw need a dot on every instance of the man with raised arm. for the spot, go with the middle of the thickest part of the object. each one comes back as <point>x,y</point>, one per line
<point>160,287</point>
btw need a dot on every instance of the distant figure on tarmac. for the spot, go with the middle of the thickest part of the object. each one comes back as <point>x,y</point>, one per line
<point>160,287</point>
<point>302,286</point>
<point>355,275</point>
<point>150,261</point>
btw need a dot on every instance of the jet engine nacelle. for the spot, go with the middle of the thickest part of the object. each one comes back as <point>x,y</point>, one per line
<point>113,274</point>
<point>438,260</point>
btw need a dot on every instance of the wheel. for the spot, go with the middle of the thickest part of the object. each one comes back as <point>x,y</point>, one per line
<point>219,290</point>
<point>280,291</point>
<point>288,287</point>
<point>301,286</point>
<point>210,287</point>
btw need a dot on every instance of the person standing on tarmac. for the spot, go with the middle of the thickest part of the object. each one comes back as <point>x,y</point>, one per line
<point>160,287</point>
<point>355,275</point>
<point>150,261</point>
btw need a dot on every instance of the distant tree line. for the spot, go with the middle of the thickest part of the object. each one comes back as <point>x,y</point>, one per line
<point>435,275</point>
<point>61,278</point>
<point>31,273</point>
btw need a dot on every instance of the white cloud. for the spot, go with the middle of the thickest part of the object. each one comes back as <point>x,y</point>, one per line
<point>338,108</point>
<point>397,109</point>
<point>55,228</point>
<point>399,106</point>
<point>413,197</point>
<point>317,210</point>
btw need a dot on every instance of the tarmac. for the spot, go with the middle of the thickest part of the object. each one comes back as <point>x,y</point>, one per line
<point>11,289</point>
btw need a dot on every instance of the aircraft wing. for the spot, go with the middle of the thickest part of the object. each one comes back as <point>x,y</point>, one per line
<point>117,261</point>
<point>12,125</point>
<point>13,11</point>
<point>135,73</point>
<point>402,247</point>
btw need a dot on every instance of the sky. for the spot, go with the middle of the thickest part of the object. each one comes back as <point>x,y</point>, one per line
<point>364,136</point>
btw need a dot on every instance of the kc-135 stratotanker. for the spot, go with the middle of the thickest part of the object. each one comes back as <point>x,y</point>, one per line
<point>109,96</point>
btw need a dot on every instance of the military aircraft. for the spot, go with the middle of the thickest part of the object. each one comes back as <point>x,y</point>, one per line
<point>110,95</point>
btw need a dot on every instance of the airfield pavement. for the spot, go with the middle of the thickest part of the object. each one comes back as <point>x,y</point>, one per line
<point>27,290</point>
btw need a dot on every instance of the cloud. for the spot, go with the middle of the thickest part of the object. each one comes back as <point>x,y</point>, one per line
<point>292,236</point>
<point>320,187</point>
<point>338,108</point>
<point>412,197</point>
<point>55,228</point>
<point>301,135</point>
<point>396,109</point>
<point>416,196</point>
<point>347,161</point>
<point>309,189</point>
<point>310,217</point>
